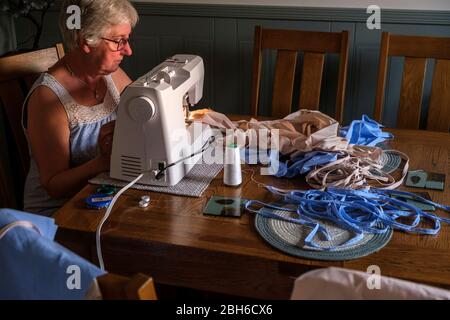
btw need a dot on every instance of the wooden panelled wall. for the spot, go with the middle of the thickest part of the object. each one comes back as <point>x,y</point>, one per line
<point>223,36</point>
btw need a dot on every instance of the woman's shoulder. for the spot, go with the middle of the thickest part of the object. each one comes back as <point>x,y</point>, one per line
<point>44,98</point>
<point>45,106</point>
<point>46,89</point>
<point>58,72</point>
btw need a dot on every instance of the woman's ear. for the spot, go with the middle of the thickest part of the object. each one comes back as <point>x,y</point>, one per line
<point>84,45</point>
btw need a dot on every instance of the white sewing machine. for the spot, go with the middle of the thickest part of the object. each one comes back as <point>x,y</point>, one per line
<point>151,134</point>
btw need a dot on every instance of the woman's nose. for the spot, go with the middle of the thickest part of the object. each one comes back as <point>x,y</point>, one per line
<point>127,50</point>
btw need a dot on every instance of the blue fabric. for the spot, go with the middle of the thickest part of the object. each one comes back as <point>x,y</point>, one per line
<point>46,225</point>
<point>358,211</point>
<point>365,132</point>
<point>36,267</point>
<point>290,168</point>
<point>304,163</point>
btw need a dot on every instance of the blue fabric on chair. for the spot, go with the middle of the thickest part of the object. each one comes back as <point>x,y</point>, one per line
<point>33,266</point>
<point>46,225</point>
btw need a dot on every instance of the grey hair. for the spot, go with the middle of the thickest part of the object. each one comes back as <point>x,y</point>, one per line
<point>97,16</point>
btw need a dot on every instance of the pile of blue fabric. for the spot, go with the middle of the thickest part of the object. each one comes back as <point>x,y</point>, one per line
<point>33,266</point>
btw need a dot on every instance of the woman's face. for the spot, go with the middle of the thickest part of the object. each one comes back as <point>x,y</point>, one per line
<point>106,55</point>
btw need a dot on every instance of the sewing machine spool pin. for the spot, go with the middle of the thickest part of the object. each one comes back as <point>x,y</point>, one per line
<point>186,106</point>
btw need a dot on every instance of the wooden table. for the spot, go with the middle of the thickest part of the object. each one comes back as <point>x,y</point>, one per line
<point>175,243</point>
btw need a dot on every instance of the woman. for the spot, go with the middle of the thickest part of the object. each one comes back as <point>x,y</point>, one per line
<point>71,108</point>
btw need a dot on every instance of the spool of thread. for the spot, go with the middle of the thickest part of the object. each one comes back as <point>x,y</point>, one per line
<point>232,175</point>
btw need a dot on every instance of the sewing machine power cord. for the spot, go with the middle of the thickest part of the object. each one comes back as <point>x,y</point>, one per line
<point>205,146</point>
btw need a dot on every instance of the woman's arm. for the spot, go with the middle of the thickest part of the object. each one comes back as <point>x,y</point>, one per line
<point>48,132</point>
<point>121,79</point>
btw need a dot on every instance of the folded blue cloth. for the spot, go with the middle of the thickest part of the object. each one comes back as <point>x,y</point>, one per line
<point>304,163</point>
<point>46,225</point>
<point>365,132</point>
<point>33,266</point>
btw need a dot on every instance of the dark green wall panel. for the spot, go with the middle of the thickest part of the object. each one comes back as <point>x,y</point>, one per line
<point>223,36</point>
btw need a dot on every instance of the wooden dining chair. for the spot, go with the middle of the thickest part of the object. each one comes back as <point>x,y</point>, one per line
<point>416,50</point>
<point>117,287</point>
<point>288,43</point>
<point>17,75</point>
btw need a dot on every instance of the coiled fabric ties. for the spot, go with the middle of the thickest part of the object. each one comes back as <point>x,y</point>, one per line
<point>358,211</point>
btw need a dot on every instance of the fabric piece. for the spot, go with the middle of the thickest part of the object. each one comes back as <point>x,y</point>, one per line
<point>192,185</point>
<point>46,225</point>
<point>356,172</point>
<point>304,163</point>
<point>290,238</point>
<point>365,132</point>
<point>36,267</point>
<point>301,131</point>
<point>84,124</point>
<point>344,284</point>
<point>357,161</point>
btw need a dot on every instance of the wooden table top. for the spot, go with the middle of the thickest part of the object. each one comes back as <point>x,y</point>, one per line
<point>175,243</point>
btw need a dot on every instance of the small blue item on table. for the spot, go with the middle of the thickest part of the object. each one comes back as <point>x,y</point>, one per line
<point>98,201</point>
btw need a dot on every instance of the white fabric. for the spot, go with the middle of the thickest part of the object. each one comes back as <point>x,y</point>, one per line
<point>343,284</point>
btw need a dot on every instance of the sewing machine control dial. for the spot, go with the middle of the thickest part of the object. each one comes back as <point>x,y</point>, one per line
<point>141,109</point>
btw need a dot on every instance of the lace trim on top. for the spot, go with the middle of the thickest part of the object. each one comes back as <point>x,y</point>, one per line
<point>79,114</point>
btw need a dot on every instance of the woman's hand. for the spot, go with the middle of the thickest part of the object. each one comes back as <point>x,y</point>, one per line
<point>105,140</point>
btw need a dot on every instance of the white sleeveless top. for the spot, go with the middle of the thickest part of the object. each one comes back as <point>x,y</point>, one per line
<point>84,124</point>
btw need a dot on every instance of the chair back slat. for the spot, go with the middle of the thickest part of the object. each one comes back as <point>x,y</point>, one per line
<point>419,46</point>
<point>411,93</point>
<point>294,40</point>
<point>311,80</point>
<point>381,80</point>
<point>283,86</point>
<point>256,75</point>
<point>417,50</point>
<point>12,96</point>
<point>24,64</point>
<point>314,45</point>
<point>17,75</point>
<point>439,108</point>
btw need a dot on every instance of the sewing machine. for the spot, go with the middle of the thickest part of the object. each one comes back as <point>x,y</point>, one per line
<point>151,134</point>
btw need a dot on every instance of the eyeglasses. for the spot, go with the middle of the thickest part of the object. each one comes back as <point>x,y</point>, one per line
<point>121,44</point>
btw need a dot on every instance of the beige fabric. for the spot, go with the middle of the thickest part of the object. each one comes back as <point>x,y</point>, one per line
<point>357,170</point>
<point>343,284</point>
<point>358,167</point>
<point>301,131</point>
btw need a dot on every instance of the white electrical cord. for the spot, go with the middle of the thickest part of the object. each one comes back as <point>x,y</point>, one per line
<point>105,217</point>
<point>110,206</point>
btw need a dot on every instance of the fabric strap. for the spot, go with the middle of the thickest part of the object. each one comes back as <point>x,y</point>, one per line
<point>358,211</point>
<point>356,172</point>
<point>20,223</point>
